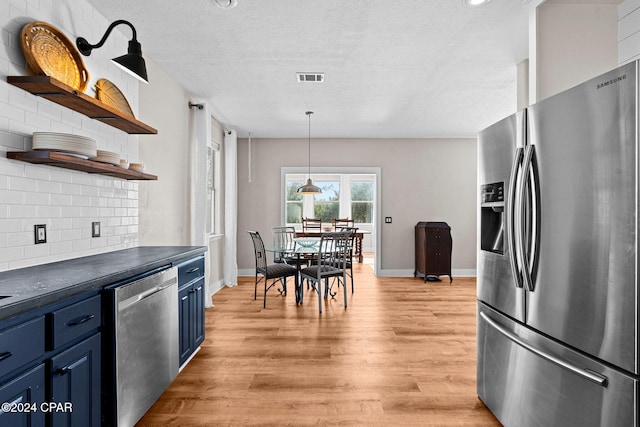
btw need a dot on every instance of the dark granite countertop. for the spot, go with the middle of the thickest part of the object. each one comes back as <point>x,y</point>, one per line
<point>34,287</point>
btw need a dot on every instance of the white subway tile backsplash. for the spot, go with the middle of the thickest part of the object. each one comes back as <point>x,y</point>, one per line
<point>50,111</point>
<point>19,239</point>
<point>36,198</point>
<point>22,211</point>
<point>37,171</point>
<point>71,211</point>
<point>50,187</point>
<point>12,197</point>
<point>22,184</point>
<point>66,201</point>
<point>11,112</point>
<point>81,245</point>
<point>49,212</point>
<point>12,253</point>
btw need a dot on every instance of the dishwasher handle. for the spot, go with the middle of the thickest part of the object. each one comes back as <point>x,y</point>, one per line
<point>133,300</point>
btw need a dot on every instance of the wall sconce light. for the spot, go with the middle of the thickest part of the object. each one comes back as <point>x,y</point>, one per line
<point>133,62</point>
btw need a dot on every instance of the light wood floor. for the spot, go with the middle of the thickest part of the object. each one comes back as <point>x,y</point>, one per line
<point>403,353</point>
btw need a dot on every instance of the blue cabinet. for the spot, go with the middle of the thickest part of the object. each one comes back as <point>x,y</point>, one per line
<point>190,306</point>
<point>22,398</point>
<point>75,385</point>
<point>50,366</point>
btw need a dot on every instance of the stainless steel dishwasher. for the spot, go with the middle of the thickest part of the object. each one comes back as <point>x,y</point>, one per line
<point>146,342</point>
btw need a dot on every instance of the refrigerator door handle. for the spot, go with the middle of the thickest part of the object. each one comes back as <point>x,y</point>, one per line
<point>587,374</point>
<point>528,190</point>
<point>511,218</point>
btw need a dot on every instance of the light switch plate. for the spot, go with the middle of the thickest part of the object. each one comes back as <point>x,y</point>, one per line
<point>95,229</point>
<point>387,220</point>
<point>40,232</point>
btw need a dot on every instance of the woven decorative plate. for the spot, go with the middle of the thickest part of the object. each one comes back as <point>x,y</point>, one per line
<point>51,53</point>
<point>109,94</point>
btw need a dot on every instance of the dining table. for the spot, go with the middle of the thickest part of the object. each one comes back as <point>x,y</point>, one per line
<point>358,234</point>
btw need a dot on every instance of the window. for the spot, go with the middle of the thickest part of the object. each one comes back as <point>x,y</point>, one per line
<point>362,196</point>
<point>327,205</point>
<point>294,202</point>
<point>343,196</point>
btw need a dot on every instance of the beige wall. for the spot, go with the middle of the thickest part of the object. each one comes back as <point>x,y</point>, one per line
<point>164,204</point>
<point>421,180</point>
<point>574,42</point>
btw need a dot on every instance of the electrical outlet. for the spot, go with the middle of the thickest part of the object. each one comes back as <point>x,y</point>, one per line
<point>95,229</point>
<point>40,231</point>
<point>387,220</point>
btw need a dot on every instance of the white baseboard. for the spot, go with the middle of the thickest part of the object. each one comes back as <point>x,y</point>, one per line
<point>462,272</point>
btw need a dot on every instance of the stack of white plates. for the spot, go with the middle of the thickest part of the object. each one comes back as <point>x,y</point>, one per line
<point>77,145</point>
<point>107,157</point>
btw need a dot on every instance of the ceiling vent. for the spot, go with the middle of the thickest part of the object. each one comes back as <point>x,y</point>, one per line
<point>310,77</point>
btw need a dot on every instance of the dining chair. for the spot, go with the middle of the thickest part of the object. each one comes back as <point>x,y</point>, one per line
<point>338,223</point>
<point>350,251</point>
<point>312,224</point>
<point>283,237</point>
<point>274,272</point>
<point>330,264</point>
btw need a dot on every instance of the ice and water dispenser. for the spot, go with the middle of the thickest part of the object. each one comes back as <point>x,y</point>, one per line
<point>492,217</point>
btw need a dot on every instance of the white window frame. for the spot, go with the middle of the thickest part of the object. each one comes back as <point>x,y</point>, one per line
<point>345,208</point>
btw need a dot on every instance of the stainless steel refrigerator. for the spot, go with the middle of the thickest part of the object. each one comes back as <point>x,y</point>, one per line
<point>558,318</point>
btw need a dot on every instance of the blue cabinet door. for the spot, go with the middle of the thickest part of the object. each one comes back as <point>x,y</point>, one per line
<point>22,398</point>
<point>184,323</point>
<point>198,312</point>
<point>76,385</point>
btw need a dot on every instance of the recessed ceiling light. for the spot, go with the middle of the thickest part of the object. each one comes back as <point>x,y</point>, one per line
<point>226,4</point>
<point>474,3</point>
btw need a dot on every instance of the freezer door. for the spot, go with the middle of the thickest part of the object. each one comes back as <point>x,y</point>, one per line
<point>585,142</point>
<point>500,148</point>
<point>528,380</point>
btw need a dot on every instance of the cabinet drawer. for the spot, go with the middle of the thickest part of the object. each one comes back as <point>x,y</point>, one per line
<point>21,344</point>
<point>190,270</point>
<point>75,320</point>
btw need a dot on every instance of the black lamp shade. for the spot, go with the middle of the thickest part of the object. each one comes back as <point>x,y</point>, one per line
<point>133,62</point>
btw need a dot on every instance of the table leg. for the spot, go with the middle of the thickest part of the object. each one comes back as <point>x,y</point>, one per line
<point>298,284</point>
<point>359,250</point>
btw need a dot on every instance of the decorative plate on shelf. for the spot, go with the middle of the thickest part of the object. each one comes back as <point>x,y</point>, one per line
<point>51,53</point>
<point>82,146</point>
<point>109,94</point>
<point>107,157</point>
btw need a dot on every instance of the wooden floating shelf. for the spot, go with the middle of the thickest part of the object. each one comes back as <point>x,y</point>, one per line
<point>69,162</point>
<point>62,94</point>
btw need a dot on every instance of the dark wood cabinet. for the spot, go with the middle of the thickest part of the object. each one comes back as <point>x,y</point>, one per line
<point>433,245</point>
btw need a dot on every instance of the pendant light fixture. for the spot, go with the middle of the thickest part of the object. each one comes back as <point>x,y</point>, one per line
<point>309,188</point>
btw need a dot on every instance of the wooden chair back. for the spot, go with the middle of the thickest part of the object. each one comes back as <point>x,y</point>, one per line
<point>312,224</point>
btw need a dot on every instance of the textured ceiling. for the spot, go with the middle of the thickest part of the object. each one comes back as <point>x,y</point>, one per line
<point>393,69</point>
